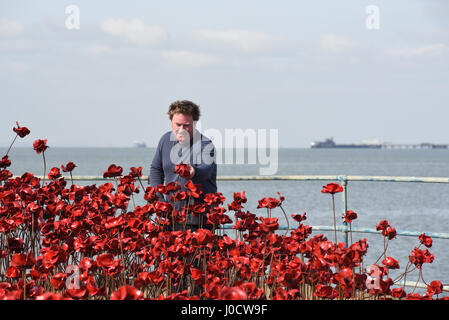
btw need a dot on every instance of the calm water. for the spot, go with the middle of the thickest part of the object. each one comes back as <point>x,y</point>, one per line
<point>408,206</point>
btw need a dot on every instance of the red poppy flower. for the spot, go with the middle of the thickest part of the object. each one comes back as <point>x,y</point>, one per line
<point>163,207</point>
<point>114,222</point>
<point>105,260</point>
<point>68,167</point>
<point>390,233</point>
<point>172,187</point>
<point>194,189</point>
<point>4,163</point>
<point>12,272</point>
<point>268,202</point>
<point>435,287</point>
<point>21,131</point>
<point>22,260</point>
<point>350,216</point>
<point>77,293</point>
<point>332,188</point>
<point>135,172</point>
<point>325,291</point>
<point>58,280</point>
<point>269,224</point>
<point>344,277</point>
<point>196,274</point>
<point>5,174</point>
<point>40,145</point>
<point>54,173</point>
<point>240,197</point>
<point>150,194</point>
<point>183,170</point>
<point>113,171</point>
<point>178,196</point>
<point>390,263</point>
<point>15,245</point>
<point>418,257</point>
<point>49,296</point>
<point>232,293</point>
<point>127,293</point>
<point>383,225</point>
<point>299,217</point>
<point>398,293</point>
<point>425,240</point>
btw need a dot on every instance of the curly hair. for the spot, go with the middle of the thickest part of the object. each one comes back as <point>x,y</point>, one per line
<point>185,107</point>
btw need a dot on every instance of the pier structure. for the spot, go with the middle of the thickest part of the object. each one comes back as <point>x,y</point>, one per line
<point>414,146</point>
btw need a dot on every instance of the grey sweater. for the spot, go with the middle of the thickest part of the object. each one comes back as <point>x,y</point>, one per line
<point>200,154</point>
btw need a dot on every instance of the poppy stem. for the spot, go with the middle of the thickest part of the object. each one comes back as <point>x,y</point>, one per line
<point>350,230</point>
<point>335,220</point>
<point>132,197</point>
<point>140,181</point>
<point>122,256</point>
<point>24,285</point>
<point>416,284</point>
<point>45,167</point>
<point>11,144</point>
<point>384,253</point>
<point>286,219</point>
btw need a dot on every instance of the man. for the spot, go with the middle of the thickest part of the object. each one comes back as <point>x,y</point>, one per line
<point>185,144</point>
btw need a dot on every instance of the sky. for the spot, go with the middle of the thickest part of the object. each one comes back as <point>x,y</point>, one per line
<point>308,69</point>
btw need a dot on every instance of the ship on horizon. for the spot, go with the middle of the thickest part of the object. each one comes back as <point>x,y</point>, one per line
<point>139,144</point>
<point>330,143</point>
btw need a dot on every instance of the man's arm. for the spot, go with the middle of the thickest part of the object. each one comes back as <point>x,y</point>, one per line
<point>156,168</point>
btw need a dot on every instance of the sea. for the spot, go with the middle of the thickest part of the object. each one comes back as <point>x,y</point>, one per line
<point>420,207</point>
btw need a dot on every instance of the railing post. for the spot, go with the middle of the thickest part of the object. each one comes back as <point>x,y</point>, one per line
<point>344,195</point>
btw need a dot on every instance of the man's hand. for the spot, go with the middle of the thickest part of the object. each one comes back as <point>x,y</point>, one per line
<point>192,172</point>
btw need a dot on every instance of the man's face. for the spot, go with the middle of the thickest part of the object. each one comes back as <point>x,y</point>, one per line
<point>182,126</point>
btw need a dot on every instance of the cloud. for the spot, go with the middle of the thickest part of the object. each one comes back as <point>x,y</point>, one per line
<point>9,28</point>
<point>432,50</point>
<point>242,40</point>
<point>134,31</point>
<point>189,58</point>
<point>99,49</point>
<point>336,44</point>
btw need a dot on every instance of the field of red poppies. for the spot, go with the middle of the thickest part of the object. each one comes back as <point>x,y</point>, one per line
<point>60,240</point>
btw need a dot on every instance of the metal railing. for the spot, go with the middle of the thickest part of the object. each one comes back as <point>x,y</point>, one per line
<point>343,180</point>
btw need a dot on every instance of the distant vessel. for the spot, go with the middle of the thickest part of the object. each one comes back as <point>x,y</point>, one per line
<point>140,144</point>
<point>329,143</point>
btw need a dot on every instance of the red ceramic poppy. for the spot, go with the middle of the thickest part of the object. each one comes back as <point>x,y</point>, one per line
<point>390,263</point>
<point>232,293</point>
<point>68,167</point>
<point>21,131</point>
<point>105,260</point>
<point>113,171</point>
<point>40,145</point>
<point>350,216</point>
<point>127,293</point>
<point>332,188</point>
<point>425,240</point>
<point>183,170</point>
<point>5,162</point>
<point>54,173</point>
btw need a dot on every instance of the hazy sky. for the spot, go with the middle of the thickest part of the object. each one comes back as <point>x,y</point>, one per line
<point>311,69</point>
